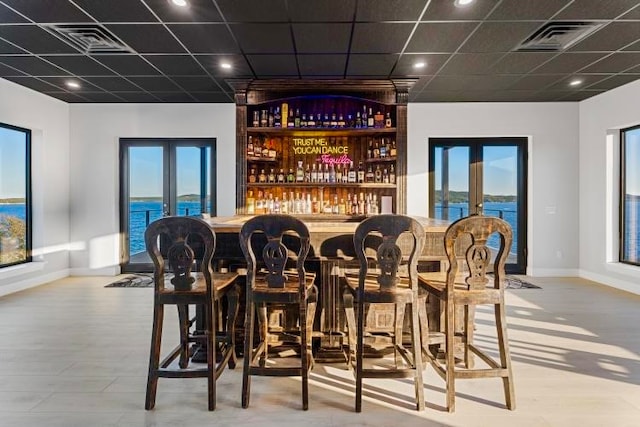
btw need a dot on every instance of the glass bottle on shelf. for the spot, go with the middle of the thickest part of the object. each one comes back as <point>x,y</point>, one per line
<point>276,206</point>
<point>315,206</point>
<point>307,174</point>
<point>383,150</point>
<point>339,173</point>
<point>369,177</point>
<point>272,150</point>
<point>262,178</point>
<point>314,174</point>
<point>299,172</point>
<point>250,147</point>
<point>358,122</point>
<point>303,121</point>
<point>291,122</point>
<point>281,176</point>
<point>252,175</point>
<point>259,209</point>
<point>334,121</point>
<point>307,204</point>
<point>370,150</point>
<point>345,174</point>
<point>297,204</point>
<point>342,207</point>
<point>376,151</point>
<point>352,178</point>
<point>284,205</point>
<point>256,119</point>
<point>251,203</point>
<point>318,120</point>
<point>378,120</point>
<point>263,118</point>
<point>296,120</point>
<point>393,152</point>
<point>311,123</point>
<point>285,114</point>
<point>364,116</point>
<point>341,121</point>
<point>270,118</point>
<point>392,175</point>
<point>370,119</point>
<point>271,178</point>
<point>277,118</point>
<point>387,121</point>
<point>360,173</point>
<point>385,176</point>
<point>265,150</point>
<point>291,177</point>
<point>378,174</point>
<point>332,174</point>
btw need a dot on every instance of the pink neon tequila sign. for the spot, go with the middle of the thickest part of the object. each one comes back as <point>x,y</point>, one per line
<point>331,160</point>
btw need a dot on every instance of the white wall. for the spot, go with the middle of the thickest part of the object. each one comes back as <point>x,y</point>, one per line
<point>601,115</point>
<point>48,120</point>
<point>95,132</point>
<point>552,129</point>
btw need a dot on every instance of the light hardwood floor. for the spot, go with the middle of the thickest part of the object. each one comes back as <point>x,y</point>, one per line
<point>73,353</point>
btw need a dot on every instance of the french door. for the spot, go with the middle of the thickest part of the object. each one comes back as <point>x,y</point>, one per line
<point>161,177</point>
<point>482,176</point>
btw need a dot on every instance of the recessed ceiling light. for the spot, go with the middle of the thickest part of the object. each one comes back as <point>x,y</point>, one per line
<point>575,82</point>
<point>225,65</point>
<point>73,85</point>
<point>181,3</point>
<point>419,64</point>
<point>460,3</point>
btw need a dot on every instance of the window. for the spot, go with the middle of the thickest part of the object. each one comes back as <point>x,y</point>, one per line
<point>15,195</point>
<point>630,196</point>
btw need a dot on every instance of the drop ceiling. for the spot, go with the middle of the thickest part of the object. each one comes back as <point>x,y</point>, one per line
<point>154,51</point>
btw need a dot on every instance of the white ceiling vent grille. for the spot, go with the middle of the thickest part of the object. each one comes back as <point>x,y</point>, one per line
<point>90,38</point>
<point>557,36</point>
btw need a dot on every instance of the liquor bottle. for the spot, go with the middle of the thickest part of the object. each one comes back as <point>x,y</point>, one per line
<point>251,203</point>
<point>364,116</point>
<point>264,121</point>
<point>265,150</point>
<point>352,178</point>
<point>378,120</point>
<point>259,204</point>
<point>262,178</point>
<point>360,173</point>
<point>284,205</point>
<point>348,205</point>
<point>387,122</point>
<point>250,147</point>
<point>297,204</point>
<point>351,123</point>
<point>281,176</point>
<point>367,205</point>
<point>307,174</point>
<point>341,122</point>
<point>392,175</point>
<point>370,150</point>
<point>257,148</point>
<point>252,176</point>
<point>358,123</point>
<point>285,114</point>
<point>326,122</point>
<point>375,210</point>
<point>296,120</point>
<point>311,123</point>
<point>339,173</point>
<point>276,206</point>
<point>291,122</point>
<point>334,205</point>
<point>291,177</point>
<point>299,172</point>
<point>270,118</point>
<point>307,204</point>
<point>269,205</point>
<point>378,174</point>
<point>345,174</point>
<point>318,121</point>
<point>393,152</point>
<point>369,177</point>
<point>277,118</point>
<point>342,207</point>
<point>272,150</point>
<point>325,175</point>
<point>315,206</point>
<point>332,174</point>
<point>303,121</point>
<point>314,174</point>
<point>376,151</point>
<point>370,119</point>
<point>256,119</point>
<point>383,150</point>
<point>334,121</point>
<point>271,178</point>
<point>385,176</point>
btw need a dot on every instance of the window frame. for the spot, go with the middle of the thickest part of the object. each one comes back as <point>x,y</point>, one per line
<point>27,197</point>
<point>622,186</point>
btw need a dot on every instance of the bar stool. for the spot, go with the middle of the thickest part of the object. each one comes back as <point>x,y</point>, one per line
<point>269,285</point>
<point>464,286</point>
<point>383,283</point>
<point>179,241</point>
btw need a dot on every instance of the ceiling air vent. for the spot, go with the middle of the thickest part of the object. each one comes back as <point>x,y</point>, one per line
<point>558,35</point>
<point>90,38</point>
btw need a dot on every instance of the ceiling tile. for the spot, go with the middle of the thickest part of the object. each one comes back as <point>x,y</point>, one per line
<point>212,96</point>
<point>153,84</point>
<point>380,38</point>
<point>102,97</point>
<point>66,96</point>
<point>321,11</point>
<point>48,10</point>
<point>535,82</point>
<point>32,65</point>
<point>34,39</point>
<point>127,65</point>
<point>440,37</point>
<point>635,47</point>
<point>614,36</point>
<point>174,96</point>
<point>487,82</point>
<point>614,63</point>
<point>568,63</point>
<point>112,84</point>
<point>470,63</point>
<point>389,10</point>
<point>117,10</point>
<point>79,65</point>
<point>137,96</point>
<point>595,9</point>
<point>499,36</point>
<point>8,71</point>
<point>197,84</point>
<point>176,65</point>
<point>521,62</point>
<point>147,38</point>
<point>240,67</point>
<point>274,65</point>
<point>633,14</point>
<point>448,11</point>
<point>614,81</point>
<point>578,96</point>
<point>253,10</point>
<point>8,16</point>
<point>205,38</point>
<point>196,11</point>
<point>518,10</point>
<point>435,96</point>
<point>405,67</point>
<point>371,65</point>
<point>33,83</point>
<point>322,38</point>
<point>62,83</point>
<point>587,79</point>
<point>322,65</point>
<point>263,38</point>
<point>6,47</point>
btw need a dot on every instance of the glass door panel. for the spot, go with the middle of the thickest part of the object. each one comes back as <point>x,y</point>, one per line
<point>451,183</point>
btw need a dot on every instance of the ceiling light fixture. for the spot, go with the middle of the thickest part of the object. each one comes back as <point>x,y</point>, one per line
<point>420,64</point>
<point>73,85</point>
<point>181,3</point>
<point>462,3</point>
<point>225,65</point>
<point>575,82</point>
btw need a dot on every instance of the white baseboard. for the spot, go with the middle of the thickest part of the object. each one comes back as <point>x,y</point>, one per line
<point>632,287</point>
<point>553,272</point>
<point>106,271</point>
<point>32,282</point>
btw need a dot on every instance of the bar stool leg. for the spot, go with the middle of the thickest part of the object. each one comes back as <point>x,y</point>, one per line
<point>183,321</point>
<point>417,355</point>
<point>248,353</point>
<point>154,356</point>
